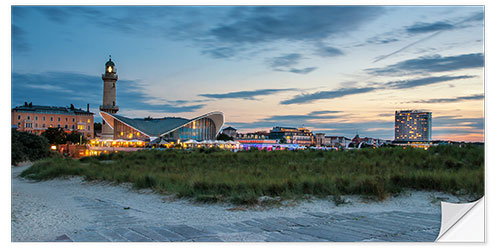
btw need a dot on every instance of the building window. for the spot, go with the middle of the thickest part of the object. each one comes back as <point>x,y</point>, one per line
<point>81,127</point>
<point>43,125</point>
<point>18,124</point>
<point>51,118</point>
<point>19,117</point>
<point>36,125</point>
<point>88,121</point>
<point>36,118</point>
<point>58,119</point>
<point>66,118</point>
<point>66,126</point>
<point>73,126</point>
<point>58,125</point>
<point>88,127</point>
<point>73,119</point>
<point>43,118</point>
<point>28,117</point>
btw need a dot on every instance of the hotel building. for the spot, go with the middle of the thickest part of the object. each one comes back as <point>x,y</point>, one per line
<point>301,136</point>
<point>36,119</point>
<point>412,126</point>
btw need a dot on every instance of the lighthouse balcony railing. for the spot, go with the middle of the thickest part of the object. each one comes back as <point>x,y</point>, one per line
<point>108,107</point>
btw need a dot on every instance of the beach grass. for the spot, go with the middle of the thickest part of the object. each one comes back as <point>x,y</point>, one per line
<point>242,177</point>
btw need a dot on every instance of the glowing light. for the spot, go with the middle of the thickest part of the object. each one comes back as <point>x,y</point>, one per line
<point>110,69</point>
<point>53,147</point>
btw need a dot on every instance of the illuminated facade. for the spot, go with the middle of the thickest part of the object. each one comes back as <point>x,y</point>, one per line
<point>412,126</point>
<point>36,119</point>
<point>205,127</point>
<point>116,127</point>
<point>301,136</point>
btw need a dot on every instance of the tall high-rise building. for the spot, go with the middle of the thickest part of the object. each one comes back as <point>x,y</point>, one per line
<point>412,126</point>
<point>109,97</point>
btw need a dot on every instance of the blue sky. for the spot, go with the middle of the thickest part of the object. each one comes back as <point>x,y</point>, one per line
<point>334,69</point>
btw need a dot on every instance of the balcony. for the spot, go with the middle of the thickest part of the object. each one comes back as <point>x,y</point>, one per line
<point>108,108</point>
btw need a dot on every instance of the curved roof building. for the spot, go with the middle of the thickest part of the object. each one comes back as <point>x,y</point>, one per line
<point>205,127</point>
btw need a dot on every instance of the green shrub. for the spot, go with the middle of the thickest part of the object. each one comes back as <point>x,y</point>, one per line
<point>26,146</point>
<point>242,177</point>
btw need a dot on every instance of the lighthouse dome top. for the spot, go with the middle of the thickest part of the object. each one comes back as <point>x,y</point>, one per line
<point>110,63</point>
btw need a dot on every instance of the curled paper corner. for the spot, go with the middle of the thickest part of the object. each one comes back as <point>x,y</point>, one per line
<point>462,222</point>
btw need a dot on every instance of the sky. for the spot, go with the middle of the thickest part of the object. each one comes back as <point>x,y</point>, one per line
<point>339,70</point>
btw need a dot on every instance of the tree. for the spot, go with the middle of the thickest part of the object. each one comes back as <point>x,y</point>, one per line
<point>26,146</point>
<point>224,137</point>
<point>97,128</point>
<point>75,137</point>
<point>55,135</point>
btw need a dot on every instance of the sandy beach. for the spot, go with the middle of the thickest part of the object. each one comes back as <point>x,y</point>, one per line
<point>42,211</point>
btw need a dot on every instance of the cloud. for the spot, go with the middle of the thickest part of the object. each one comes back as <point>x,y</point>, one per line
<point>247,95</point>
<point>249,28</point>
<point>323,112</point>
<point>215,30</point>
<point>303,71</point>
<point>435,29</point>
<point>286,62</point>
<point>429,64</point>
<point>223,52</point>
<point>401,84</point>
<point>287,120</point>
<point>382,57</point>
<point>308,98</point>
<point>404,84</point>
<point>64,88</point>
<point>55,14</point>
<point>328,51</point>
<point>476,17</point>
<point>429,27</point>
<point>167,22</point>
<point>225,33</point>
<point>293,23</point>
<point>19,42</point>
<point>449,100</point>
<point>379,40</point>
<point>452,122</point>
